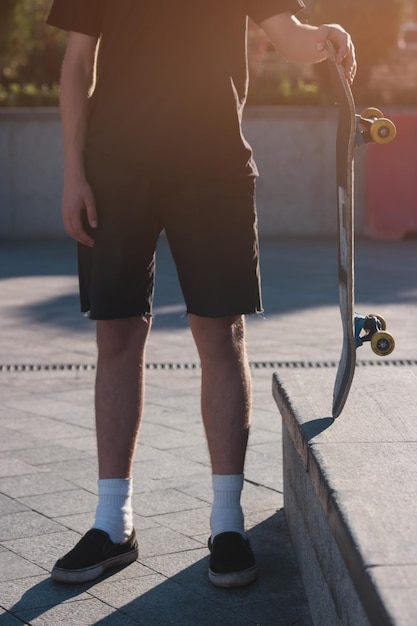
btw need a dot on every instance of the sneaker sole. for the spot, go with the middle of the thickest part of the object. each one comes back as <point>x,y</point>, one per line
<point>91,573</point>
<point>234,579</point>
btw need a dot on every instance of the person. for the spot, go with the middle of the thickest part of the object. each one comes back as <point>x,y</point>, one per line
<point>152,95</point>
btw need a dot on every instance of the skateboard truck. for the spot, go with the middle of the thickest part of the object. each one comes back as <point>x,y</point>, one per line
<point>373,328</point>
<point>373,127</point>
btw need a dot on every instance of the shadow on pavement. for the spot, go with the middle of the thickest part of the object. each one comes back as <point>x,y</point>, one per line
<point>297,274</point>
<point>187,598</point>
<point>315,427</point>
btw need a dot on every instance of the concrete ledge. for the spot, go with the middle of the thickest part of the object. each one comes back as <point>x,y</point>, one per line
<point>30,173</point>
<point>350,493</point>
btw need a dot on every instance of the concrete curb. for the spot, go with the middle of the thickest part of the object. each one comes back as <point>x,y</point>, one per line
<point>339,555</point>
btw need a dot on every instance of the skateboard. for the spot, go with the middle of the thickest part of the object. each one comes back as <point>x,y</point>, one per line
<point>353,130</point>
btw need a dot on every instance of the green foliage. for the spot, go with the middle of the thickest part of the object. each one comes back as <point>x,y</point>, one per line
<point>285,91</point>
<point>29,95</point>
<point>30,52</point>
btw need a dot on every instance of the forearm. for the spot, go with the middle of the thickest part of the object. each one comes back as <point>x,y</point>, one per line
<point>302,43</point>
<point>76,81</point>
<point>294,41</point>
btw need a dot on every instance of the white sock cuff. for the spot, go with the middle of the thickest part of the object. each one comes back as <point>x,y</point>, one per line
<point>227,482</point>
<point>115,487</point>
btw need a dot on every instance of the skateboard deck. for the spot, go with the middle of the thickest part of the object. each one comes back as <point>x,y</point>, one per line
<point>353,130</point>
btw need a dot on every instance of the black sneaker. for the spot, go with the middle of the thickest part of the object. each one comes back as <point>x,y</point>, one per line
<point>232,563</point>
<point>92,555</point>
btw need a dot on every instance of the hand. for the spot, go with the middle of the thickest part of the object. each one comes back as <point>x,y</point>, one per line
<point>345,50</point>
<point>77,202</point>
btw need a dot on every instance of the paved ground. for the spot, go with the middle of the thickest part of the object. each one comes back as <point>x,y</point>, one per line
<point>47,447</point>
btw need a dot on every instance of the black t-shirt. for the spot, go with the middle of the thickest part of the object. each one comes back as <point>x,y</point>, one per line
<point>171,81</point>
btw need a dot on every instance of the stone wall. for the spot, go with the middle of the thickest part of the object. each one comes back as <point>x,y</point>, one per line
<point>294,148</point>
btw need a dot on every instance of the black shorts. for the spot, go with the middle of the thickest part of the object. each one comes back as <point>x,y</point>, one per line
<point>212,233</point>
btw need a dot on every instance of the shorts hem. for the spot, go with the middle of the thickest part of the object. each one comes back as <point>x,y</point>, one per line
<point>256,311</point>
<point>112,317</point>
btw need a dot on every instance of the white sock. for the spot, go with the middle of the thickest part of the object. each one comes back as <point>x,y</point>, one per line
<point>226,514</point>
<point>114,512</point>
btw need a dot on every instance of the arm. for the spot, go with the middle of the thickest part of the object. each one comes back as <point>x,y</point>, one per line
<point>76,81</point>
<point>302,43</point>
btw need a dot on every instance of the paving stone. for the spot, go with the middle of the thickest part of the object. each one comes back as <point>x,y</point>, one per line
<point>155,600</point>
<point>142,523</point>
<point>8,505</point>
<point>266,420</point>
<point>13,566</point>
<point>262,473</point>
<point>25,524</point>
<point>42,455</point>
<point>198,486</point>
<point>79,523</point>
<point>33,485</point>
<point>43,550</point>
<point>79,399</point>
<point>166,438</point>
<point>10,466</point>
<point>187,522</point>
<point>45,427</point>
<point>164,540</point>
<point>10,440</point>
<point>176,405</point>
<point>83,468</point>
<point>82,522</point>
<point>61,504</point>
<point>165,467</point>
<point>184,564</point>
<point>88,483</point>
<point>117,593</point>
<point>198,453</point>
<point>86,444</point>
<point>165,501</point>
<point>77,613</point>
<point>38,592</point>
<point>258,498</point>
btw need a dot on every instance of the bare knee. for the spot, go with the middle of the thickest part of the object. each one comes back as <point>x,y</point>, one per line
<point>116,337</point>
<point>218,338</point>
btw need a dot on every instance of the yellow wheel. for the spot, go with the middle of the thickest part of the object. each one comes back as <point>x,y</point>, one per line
<point>382,343</point>
<point>380,319</point>
<point>383,130</point>
<point>372,113</point>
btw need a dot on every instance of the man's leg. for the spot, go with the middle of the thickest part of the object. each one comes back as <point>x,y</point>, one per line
<point>225,389</point>
<point>226,406</point>
<point>119,393</point>
<point>119,404</point>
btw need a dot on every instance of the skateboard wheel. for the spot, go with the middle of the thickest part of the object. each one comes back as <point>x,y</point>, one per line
<point>382,130</point>
<point>382,343</point>
<point>380,319</point>
<point>371,113</point>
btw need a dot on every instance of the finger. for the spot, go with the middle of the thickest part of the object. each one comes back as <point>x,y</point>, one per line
<point>345,51</point>
<point>81,235</point>
<point>90,207</point>
<point>76,230</point>
<point>349,63</point>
